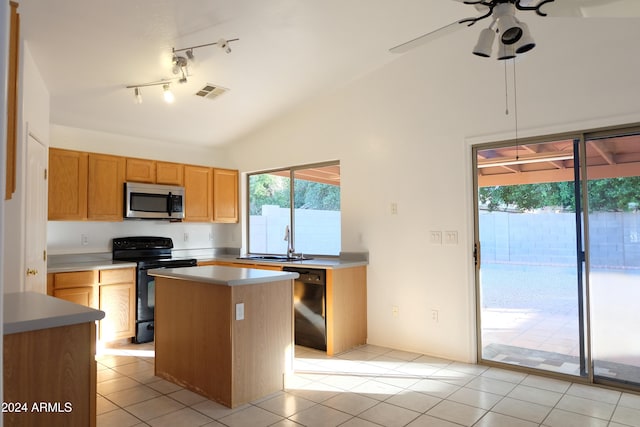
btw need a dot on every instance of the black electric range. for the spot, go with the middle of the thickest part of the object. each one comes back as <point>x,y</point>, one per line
<point>147,252</point>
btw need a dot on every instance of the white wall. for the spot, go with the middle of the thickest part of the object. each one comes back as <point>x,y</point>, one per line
<point>401,134</point>
<point>65,237</point>
<point>33,116</point>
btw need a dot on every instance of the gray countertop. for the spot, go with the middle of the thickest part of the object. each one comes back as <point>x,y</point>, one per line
<point>84,262</point>
<point>226,276</point>
<point>101,261</point>
<point>30,311</point>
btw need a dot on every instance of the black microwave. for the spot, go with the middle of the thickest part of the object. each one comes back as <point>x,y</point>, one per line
<point>153,201</point>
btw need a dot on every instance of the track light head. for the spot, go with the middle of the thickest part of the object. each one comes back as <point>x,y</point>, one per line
<point>224,45</point>
<point>189,53</point>
<point>137,93</point>
<point>167,94</point>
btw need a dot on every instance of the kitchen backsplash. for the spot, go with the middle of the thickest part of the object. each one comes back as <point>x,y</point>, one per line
<point>68,237</point>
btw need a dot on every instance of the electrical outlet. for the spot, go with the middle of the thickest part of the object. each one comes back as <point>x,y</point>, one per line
<point>84,239</point>
<point>240,311</point>
<point>186,237</point>
<point>211,236</point>
<point>435,237</point>
<point>395,311</point>
<point>394,208</point>
<point>434,315</point>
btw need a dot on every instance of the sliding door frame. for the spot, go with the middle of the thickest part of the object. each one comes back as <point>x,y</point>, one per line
<point>582,248</point>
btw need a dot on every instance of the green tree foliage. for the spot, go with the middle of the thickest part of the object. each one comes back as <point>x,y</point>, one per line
<point>268,189</point>
<point>317,196</point>
<point>609,194</point>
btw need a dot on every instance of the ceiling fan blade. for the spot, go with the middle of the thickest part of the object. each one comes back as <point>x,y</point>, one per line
<point>593,8</point>
<point>426,38</point>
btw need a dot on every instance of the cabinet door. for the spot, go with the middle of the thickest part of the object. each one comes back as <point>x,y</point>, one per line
<point>67,184</point>
<point>141,170</point>
<point>225,195</point>
<point>105,187</point>
<point>118,303</point>
<point>83,296</point>
<point>198,194</point>
<point>169,173</point>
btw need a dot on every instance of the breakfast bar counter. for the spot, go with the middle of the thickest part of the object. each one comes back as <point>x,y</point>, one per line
<point>223,332</point>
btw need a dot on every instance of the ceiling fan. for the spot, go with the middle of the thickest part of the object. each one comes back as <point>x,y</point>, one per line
<point>513,34</point>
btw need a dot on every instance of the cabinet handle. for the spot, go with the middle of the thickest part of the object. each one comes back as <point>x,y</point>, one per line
<point>32,272</point>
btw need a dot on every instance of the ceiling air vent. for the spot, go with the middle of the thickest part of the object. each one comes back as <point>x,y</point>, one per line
<point>210,91</point>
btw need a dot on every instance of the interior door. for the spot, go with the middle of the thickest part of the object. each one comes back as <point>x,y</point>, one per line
<point>36,216</point>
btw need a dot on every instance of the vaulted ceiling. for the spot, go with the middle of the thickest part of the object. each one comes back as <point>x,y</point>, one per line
<point>289,51</point>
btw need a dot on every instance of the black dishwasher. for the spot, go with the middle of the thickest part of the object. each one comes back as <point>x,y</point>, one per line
<point>309,301</point>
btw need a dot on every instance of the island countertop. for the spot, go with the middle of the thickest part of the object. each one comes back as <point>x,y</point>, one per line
<point>227,276</point>
<point>30,311</point>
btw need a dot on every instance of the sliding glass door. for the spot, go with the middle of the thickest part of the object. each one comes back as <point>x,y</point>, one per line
<point>614,255</point>
<point>529,272</point>
<point>558,255</point>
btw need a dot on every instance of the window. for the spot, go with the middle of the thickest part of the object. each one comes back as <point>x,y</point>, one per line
<point>302,199</point>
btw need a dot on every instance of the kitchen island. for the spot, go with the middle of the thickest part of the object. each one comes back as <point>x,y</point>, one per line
<point>223,332</point>
<point>49,367</point>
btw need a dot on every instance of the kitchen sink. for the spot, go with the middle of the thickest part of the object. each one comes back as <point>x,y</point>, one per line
<point>275,258</point>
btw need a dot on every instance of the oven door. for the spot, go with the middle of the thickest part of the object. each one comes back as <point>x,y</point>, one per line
<point>146,295</point>
<point>145,306</point>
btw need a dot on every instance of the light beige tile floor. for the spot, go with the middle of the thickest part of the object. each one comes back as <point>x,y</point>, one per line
<point>368,386</point>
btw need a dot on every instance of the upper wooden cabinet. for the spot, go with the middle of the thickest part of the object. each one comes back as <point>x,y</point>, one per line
<point>141,170</point>
<point>67,184</point>
<point>90,186</point>
<point>169,173</point>
<point>154,172</point>
<point>225,195</point>
<point>197,193</point>
<point>105,187</point>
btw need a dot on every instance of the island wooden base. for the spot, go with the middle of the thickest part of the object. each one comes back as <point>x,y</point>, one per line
<point>50,377</point>
<point>201,346</point>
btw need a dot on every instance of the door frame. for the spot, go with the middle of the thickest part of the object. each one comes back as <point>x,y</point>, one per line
<point>582,228</point>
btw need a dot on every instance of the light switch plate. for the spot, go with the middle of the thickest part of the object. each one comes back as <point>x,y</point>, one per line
<point>435,237</point>
<point>450,237</point>
<point>240,311</point>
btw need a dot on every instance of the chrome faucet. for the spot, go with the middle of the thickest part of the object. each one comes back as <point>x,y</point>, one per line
<point>287,238</point>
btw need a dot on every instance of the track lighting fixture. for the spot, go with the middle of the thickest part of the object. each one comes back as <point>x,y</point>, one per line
<point>221,43</point>
<point>137,92</point>
<point>180,67</point>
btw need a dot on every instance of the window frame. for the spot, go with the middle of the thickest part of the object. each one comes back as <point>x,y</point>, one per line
<point>291,170</point>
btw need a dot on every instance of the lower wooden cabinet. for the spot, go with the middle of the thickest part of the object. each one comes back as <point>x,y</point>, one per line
<point>111,290</point>
<point>346,303</point>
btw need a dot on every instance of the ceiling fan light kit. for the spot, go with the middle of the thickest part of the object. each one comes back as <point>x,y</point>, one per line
<point>180,68</point>
<point>514,37</point>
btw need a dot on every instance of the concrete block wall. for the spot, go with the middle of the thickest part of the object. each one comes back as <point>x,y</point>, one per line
<point>550,238</point>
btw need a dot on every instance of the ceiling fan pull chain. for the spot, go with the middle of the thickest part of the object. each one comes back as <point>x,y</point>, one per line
<point>515,105</point>
<point>506,91</point>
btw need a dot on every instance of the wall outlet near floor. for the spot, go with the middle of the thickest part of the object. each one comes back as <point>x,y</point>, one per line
<point>434,315</point>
